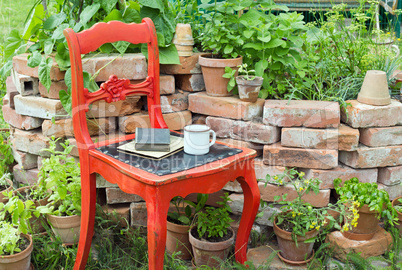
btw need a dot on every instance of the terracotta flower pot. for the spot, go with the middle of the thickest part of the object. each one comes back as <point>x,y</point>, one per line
<point>67,228</point>
<point>249,89</point>
<point>394,203</point>
<point>212,71</point>
<point>20,260</point>
<point>204,251</point>
<point>177,240</point>
<point>183,39</point>
<point>367,225</point>
<point>3,198</point>
<point>287,246</point>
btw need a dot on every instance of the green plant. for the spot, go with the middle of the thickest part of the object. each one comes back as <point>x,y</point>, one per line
<point>10,239</point>
<point>230,74</point>
<point>300,217</point>
<point>367,193</point>
<point>6,154</point>
<point>61,175</point>
<point>190,209</point>
<point>399,206</point>
<point>214,222</point>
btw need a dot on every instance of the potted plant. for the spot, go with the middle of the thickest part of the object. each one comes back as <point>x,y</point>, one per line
<point>248,86</point>
<point>178,224</point>
<point>212,237</point>
<point>299,223</point>
<point>221,36</point>
<point>15,248</point>
<point>371,204</point>
<point>61,174</point>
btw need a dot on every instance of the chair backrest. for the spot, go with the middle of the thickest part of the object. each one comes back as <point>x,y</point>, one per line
<point>114,89</point>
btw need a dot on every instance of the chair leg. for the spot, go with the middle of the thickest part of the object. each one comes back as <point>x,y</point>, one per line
<point>250,209</point>
<point>88,209</point>
<point>157,209</point>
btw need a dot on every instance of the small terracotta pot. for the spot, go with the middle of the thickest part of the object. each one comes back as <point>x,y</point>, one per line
<point>374,90</point>
<point>394,203</point>
<point>213,70</point>
<point>20,260</point>
<point>67,228</point>
<point>204,251</point>
<point>249,89</point>
<point>183,39</point>
<point>3,198</point>
<point>177,240</point>
<point>367,225</point>
<point>287,245</point>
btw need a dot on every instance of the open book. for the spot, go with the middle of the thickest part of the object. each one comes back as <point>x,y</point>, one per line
<point>176,144</point>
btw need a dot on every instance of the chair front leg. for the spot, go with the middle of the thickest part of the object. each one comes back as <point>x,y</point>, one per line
<point>250,209</point>
<point>157,209</point>
<point>88,209</point>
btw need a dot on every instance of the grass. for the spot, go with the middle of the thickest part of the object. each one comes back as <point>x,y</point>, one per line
<point>12,16</point>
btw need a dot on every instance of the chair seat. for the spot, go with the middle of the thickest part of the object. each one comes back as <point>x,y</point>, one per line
<point>176,166</point>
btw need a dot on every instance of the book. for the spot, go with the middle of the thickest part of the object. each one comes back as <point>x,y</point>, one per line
<point>176,145</point>
<point>152,139</point>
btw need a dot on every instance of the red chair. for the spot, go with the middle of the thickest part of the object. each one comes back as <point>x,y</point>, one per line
<point>157,187</point>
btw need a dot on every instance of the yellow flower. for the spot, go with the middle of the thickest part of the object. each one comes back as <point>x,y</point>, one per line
<point>276,177</point>
<point>311,226</point>
<point>314,223</point>
<point>280,182</point>
<point>301,189</point>
<point>399,39</point>
<point>299,213</point>
<point>317,228</point>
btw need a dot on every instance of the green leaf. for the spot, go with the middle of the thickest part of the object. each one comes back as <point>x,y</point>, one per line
<point>13,42</point>
<point>48,46</point>
<point>34,59</point>
<point>54,21</point>
<point>121,46</point>
<point>58,33</point>
<point>260,67</point>
<point>277,198</point>
<point>89,83</point>
<point>184,220</point>
<point>34,21</point>
<point>248,33</point>
<point>65,99</point>
<point>108,5</point>
<point>228,49</point>
<point>275,43</point>
<point>255,46</point>
<point>265,39</point>
<point>62,57</point>
<point>106,48</point>
<point>6,69</point>
<point>44,71</point>
<point>163,24</point>
<point>88,13</point>
<point>115,15</point>
<point>167,55</point>
<point>62,190</point>
<point>131,16</point>
<point>156,4</point>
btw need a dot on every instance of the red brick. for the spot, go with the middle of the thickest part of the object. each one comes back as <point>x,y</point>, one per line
<point>261,169</point>
<point>310,138</point>
<point>174,121</point>
<point>39,107</point>
<point>242,144</point>
<point>361,115</point>
<point>174,103</point>
<point>64,127</point>
<point>240,130</point>
<point>29,177</point>
<point>190,82</point>
<point>265,257</point>
<point>390,175</point>
<point>121,210</point>
<point>54,90</point>
<point>199,119</point>
<point>138,213</point>
<point>32,142</point>
<point>11,92</point>
<point>132,66</point>
<point>132,104</point>
<point>269,191</point>
<point>20,66</point>
<point>167,84</point>
<point>25,160</point>
<point>20,121</point>
<point>343,172</point>
<point>348,138</point>
<point>343,246</point>
<point>278,155</point>
<point>188,65</point>
<point>116,195</point>
<point>228,107</point>
<point>369,157</point>
<point>381,136</point>
<point>297,113</point>
<point>233,187</point>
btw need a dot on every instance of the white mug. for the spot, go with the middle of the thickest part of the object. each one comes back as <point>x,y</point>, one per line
<point>196,139</point>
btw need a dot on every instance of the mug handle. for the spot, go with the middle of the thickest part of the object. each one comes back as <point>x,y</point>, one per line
<point>213,137</point>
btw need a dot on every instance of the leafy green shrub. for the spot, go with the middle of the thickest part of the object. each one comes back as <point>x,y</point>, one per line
<point>191,209</point>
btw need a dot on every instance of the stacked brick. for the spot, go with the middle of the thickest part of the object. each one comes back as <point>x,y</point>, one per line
<point>35,115</point>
